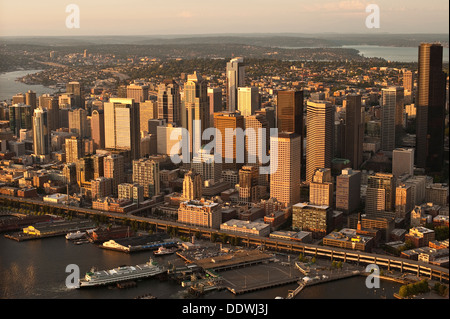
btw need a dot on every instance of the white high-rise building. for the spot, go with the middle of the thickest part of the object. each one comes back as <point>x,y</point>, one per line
<point>248,100</point>
<point>235,79</point>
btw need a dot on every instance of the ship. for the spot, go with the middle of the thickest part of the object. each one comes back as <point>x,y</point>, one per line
<point>164,251</point>
<point>119,274</point>
<point>75,235</point>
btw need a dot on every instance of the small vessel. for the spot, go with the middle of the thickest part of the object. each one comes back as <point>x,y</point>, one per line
<point>76,235</point>
<point>165,251</point>
<point>120,274</point>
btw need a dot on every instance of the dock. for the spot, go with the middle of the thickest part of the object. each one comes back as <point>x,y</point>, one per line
<point>263,286</point>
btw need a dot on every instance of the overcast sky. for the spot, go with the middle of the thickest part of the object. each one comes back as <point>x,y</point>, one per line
<point>151,17</point>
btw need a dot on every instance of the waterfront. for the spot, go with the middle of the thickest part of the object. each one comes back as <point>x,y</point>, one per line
<point>36,269</point>
<point>10,87</point>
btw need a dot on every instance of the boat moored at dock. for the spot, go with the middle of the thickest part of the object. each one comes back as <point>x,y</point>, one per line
<point>119,274</point>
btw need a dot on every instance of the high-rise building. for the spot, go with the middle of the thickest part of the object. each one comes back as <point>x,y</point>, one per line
<point>51,103</point>
<point>192,185</point>
<point>167,137</point>
<point>122,125</point>
<point>204,163</point>
<point>403,162</point>
<point>289,111</point>
<point>408,80</point>
<point>226,123</point>
<point>319,137</point>
<point>148,110</point>
<point>132,191</point>
<point>353,131</point>
<point>380,195</point>
<point>101,187</point>
<point>146,173</point>
<point>169,103</point>
<point>74,149</point>
<point>235,77</point>
<point>85,170</point>
<point>76,90</point>
<point>137,92</point>
<point>78,123</point>
<point>30,99</point>
<point>257,144</point>
<point>98,129</point>
<point>248,184</point>
<point>402,200</point>
<point>392,103</point>
<point>215,103</point>
<point>113,166</point>
<point>196,110</point>
<point>348,186</point>
<point>20,117</point>
<point>285,163</point>
<point>41,133</point>
<point>248,100</point>
<point>430,108</point>
<point>321,188</point>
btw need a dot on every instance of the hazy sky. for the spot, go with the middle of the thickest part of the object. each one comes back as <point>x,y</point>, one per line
<point>149,17</point>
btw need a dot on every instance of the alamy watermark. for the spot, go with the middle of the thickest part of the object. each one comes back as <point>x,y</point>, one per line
<point>73,19</point>
<point>241,146</point>
<point>373,279</point>
<point>373,19</point>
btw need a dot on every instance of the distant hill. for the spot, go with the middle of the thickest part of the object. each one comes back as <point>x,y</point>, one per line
<point>266,40</point>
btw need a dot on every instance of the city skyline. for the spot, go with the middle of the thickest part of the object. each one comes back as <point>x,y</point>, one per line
<point>263,165</point>
<point>154,18</point>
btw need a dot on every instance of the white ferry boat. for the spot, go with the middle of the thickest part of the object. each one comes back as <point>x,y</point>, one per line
<point>75,235</point>
<point>123,273</point>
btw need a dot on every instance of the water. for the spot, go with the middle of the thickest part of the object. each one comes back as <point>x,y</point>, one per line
<point>10,87</point>
<point>36,269</point>
<point>395,54</point>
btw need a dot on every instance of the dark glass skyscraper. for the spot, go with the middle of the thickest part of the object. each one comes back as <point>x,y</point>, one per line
<point>430,103</point>
<point>289,114</point>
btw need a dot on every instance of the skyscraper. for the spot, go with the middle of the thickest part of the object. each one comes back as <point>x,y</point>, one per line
<point>403,162</point>
<point>319,137</point>
<point>78,122</point>
<point>392,102</point>
<point>41,133</point>
<point>74,149</point>
<point>353,131</point>
<point>290,111</point>
<point>380,194</point>
<point>285,178</point>
<point>235,78</point>
<point>408,80</point>
<point>215,103</point>
<point>196,108</point>
<point>122,125</point>
<point>75,89</point>
<point>20,117</point>
<point>98,128</point>
<point>169,103</point>
<point>248,100</point>
<point>113,166</point>
<point>146,173</point>
<point>430,104</point>
<point>137,92</point>
<point>348,186</point>
<point>321,188</point>
<point>227,122</point>
<point>148,110</point>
